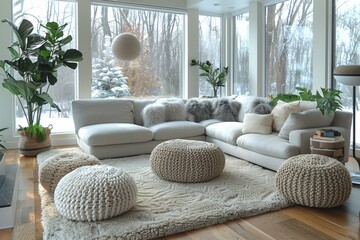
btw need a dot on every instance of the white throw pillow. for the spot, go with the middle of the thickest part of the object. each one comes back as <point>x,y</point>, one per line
<point>257,123</point>
<point>153,114</point>
<point>281,112</point>
<point>307,105</point>
<point>306,119</point>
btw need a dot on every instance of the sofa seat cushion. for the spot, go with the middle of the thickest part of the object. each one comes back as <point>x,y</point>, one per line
<point>270,145</point>
<point>176,129</point>
<point>114,133</point>
<point>225,131</point>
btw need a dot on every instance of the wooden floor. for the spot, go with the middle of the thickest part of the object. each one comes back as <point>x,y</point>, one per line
<point>290,223</point>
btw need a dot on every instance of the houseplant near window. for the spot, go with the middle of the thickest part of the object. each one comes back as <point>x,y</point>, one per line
<point>30,73</point>
<point>215,76</point>
<point>328,100</point>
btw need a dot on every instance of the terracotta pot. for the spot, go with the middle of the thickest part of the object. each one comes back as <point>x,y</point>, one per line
<point>29,147</point>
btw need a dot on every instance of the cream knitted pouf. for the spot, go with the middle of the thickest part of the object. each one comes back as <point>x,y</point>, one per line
<point>187,160</point>
<point>56,167</point>
<point>314,180</point>
<point>93,193</point>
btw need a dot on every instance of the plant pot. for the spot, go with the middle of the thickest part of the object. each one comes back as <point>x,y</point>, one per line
<point>30,147</point>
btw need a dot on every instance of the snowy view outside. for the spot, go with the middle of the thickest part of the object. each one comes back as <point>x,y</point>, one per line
<point>158,71</point>
<point>64,91</point>
<point>288,46</point>
<point>209,48</point>
<point>241,54</point>
<point>348,49</point>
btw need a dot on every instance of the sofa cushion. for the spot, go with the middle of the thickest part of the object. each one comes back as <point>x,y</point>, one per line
<point>153,114</point>
<point>225,131</point>
<point>307,105</point>
<point>139,105</point>
<point>248,103</point>
<point>307,119</point>
<point>225,109</point>
<point>208,122</point>
<point>98,111</point>
<point>114,133</point>
<point>281,112</point>
<point>177,129</point>
<point>257,123</point>
<point>174,108</point>
<point>198,109</point>
<point>270,145</point>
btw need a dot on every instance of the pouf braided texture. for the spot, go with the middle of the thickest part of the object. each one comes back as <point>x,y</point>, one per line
<point>93,193</point>
<point>187,160</point>
<point>57,166</point>
<point>314,180</point>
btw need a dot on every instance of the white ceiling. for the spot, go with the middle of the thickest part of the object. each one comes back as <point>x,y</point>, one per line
<point>218,6</point>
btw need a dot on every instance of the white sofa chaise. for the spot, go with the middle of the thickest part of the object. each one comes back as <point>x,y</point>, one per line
<point>114,128</point>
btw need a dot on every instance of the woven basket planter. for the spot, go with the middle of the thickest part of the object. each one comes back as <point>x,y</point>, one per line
<point>187,161</point>
<point>314,180</point>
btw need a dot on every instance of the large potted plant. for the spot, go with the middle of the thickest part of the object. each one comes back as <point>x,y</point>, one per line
<point>213,75</point>
<point>31,72</point>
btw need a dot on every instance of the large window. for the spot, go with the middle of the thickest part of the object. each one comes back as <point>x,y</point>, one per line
<point>210,47</point>
<point>241,54</point>
<point>347,50</point>
<point>63,92</point>
<point>288,46</point>
<point>158,71</point>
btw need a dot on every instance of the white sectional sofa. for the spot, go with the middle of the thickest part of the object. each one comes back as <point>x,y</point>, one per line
<point>115,128</point>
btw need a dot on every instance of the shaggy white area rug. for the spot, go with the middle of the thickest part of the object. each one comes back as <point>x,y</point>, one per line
<point>164,208</point>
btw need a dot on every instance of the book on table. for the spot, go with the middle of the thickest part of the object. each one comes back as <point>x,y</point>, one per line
<point>330,139</point>
<point>327,133</point>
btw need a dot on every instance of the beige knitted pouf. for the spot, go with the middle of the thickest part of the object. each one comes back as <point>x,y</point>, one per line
<point>187,160</point>
<point>93,193</point>
<point>314,180</point>
<point>57,166</point>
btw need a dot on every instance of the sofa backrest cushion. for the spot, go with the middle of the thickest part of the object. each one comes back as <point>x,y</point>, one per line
<point>306,119</point>
<point>225,109</point>
<point>97,111</point>
<point>198,109</point>
<point>139,105</point>
<point>153,114</point>
<point>248,104</point>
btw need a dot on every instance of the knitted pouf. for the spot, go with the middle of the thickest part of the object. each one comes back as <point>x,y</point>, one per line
<point>57,166</point>
<point>93,193</point>
<point>187,160</point>
<point>314,180</point>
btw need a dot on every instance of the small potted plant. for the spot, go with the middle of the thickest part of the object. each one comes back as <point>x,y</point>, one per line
<point>29,74</point>
<point>215,76</point>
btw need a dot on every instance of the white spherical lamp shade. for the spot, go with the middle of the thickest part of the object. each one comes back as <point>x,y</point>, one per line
<point>126,47</point>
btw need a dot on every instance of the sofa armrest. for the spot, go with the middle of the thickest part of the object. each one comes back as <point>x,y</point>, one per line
<point>301,139</point>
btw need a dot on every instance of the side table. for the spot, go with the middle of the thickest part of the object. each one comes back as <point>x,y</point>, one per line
<point>334,149</point>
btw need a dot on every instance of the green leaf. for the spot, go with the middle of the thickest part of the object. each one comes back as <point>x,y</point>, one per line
<point>25,29</point>
<point>71,65</point>
<point>72,55</point>
<point>35,42</point>
<point>13,53</point>
<point>66,40</point>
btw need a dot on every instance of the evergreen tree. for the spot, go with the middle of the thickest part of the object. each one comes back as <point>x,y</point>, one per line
<point>108,79</point>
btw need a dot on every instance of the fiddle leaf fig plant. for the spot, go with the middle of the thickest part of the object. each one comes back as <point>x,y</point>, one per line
<point>215,76</point>
<point>32,69</point>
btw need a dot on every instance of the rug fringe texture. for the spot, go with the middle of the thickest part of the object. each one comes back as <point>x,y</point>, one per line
<point>164,208</point>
